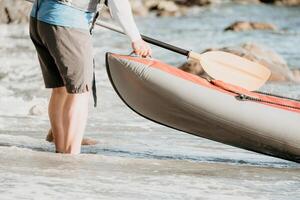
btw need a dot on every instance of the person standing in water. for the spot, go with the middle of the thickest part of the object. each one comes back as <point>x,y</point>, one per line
<point>60,31</point>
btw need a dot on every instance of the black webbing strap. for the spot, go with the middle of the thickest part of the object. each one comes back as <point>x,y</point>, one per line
<point>96,16</point>
<point>94,87</point>
<point>94,22</point>
<point>37,8</point>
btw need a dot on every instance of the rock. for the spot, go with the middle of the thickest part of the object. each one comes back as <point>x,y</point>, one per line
<point>257,53</point>
<point>150,4</point>
<point>139,8</point>
<point>17,11</point>
<point>266,57</point>
<point>167,8</point>
<point>246,1</point>
<point>289,2</point>
<point>38,110</point>
<point>175,7</point>
<point>192,67</point>
<point>282,2</point>
<point>197,2</point>
<point>14,11</point>
<point>164,8</point>
<point>249,26</point>
<point>296,73</point>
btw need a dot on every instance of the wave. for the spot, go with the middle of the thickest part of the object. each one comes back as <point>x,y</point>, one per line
<point>40,145</point>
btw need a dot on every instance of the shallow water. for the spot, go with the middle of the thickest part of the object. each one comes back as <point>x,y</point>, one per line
<point>136,158</point>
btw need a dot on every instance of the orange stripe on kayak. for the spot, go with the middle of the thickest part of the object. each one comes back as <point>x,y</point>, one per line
<point>218,85</point>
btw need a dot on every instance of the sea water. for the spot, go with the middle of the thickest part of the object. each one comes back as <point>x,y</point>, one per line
<point>135,158</point>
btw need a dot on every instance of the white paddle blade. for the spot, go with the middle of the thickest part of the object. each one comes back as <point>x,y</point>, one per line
<point>233,69</point>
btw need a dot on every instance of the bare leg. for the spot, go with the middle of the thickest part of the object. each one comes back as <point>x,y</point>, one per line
<point>55,111</point>
<point>75,112</point>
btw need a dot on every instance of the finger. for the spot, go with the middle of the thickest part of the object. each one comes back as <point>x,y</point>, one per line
<point>144,53</point>
<point>138,52</point>
<point>149,52</point>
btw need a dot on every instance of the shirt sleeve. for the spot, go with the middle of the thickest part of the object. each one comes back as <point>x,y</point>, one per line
<point>122,13</point>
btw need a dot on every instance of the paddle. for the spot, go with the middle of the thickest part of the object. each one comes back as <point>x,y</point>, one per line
<point>219,65</point>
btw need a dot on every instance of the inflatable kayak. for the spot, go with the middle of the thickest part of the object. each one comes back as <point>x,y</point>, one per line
<point>210,109</point>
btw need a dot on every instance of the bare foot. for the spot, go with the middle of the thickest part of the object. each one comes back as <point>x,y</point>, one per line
<point>85,141</point>
<point>88,141</point>
<point>50,137</point>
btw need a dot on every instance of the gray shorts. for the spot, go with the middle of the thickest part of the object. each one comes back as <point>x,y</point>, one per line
<point>65,55</point>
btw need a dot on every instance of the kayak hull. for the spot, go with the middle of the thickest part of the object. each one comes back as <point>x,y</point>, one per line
<point>182,101</point>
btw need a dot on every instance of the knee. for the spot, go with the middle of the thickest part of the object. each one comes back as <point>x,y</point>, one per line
<point>61,91</point>
<point>76,103</point>
<point>77,100</point>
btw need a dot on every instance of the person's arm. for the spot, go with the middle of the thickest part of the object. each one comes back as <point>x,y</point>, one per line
<point>122,13</point>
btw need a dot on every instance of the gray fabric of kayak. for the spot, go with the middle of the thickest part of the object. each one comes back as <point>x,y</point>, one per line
<point>195,109</point>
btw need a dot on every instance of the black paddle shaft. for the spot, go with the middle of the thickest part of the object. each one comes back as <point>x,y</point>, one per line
<point>166,45</point>
<point>147,39</point>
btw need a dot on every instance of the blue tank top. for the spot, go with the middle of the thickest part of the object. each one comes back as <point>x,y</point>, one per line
<point>55,13</point>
